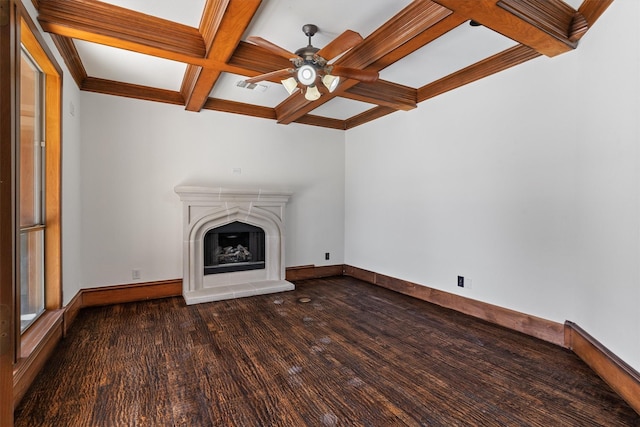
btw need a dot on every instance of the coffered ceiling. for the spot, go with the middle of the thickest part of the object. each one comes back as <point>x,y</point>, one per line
<point>195,53</point>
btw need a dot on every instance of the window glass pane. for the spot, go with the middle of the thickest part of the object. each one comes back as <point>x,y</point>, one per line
<point>30,137</point>
<point>31,276</point>
<point>30,194</point>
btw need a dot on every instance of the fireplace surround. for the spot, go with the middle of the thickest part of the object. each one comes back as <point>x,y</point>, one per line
<point>210,208</point>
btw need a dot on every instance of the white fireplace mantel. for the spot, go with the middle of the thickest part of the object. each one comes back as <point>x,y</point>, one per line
<point>205,208</point>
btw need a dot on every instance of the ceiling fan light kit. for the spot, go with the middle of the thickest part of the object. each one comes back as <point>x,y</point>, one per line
<point>331,82</point>
<point>311,64</point>
<point>290,84</point>
<point>312,93</point>
<point>307,74</point>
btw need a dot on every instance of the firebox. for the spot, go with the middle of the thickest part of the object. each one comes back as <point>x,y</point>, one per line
<point>234,247</point>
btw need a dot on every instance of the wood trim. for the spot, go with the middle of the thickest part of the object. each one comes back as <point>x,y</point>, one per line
<point>494,64</point>
<point>534,326</point>
<point>35,44</point>
<point>325,122</point>
<point>533,32</point>
<point>8,50</point>
<point>128,90</point>
<point>212,16</point>
<point>554,17</point>
<point>304,272</point>
<point>248,56</point>
<point>591,10</point>
<point>131,292</point>
<point>121,28</point>
<point>38,343</point>
<point>239,108</point>
<point>384,94</point>
<point>71,311</point>
<point>71,57</point>
<point>622,378</point>
<point>367,116</point>
<point>410,22</point>
<point>222,26</point>
<point>435,31</point>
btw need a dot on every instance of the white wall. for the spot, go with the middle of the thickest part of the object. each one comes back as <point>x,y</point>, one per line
<point>71,197</point>
<point>525,182</point>
<point>134,153</point>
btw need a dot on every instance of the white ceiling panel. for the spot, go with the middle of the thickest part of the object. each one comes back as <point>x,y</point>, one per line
<point>265,94</point>
<point>341,108</point>
<point>281,21</point>
<point>186,12</point>
<point>459,48</point>
<point>130,67</point>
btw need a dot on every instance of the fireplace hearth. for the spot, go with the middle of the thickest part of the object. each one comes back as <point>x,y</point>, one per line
<point>233,243</point>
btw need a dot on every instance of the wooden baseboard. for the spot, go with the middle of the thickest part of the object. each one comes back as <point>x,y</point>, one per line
<point>313,272</point>
<point>132,292</point>
<point>537,327</point>
<point>621,377</point>
<point>71,311</point>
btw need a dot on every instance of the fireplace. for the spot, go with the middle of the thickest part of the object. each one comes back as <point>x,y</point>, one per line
<point>233,243</point>
<point>233,247</point>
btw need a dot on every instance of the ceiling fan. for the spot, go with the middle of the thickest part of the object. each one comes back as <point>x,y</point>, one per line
<point>311,64</point>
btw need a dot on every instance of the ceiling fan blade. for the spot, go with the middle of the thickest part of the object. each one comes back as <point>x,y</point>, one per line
<point>285,72</point>
<point>273,48</point>
<point>342,43</point>
<point>367,76</point>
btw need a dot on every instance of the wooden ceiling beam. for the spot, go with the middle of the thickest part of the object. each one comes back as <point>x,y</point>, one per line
<point>409,23</point>
<point>384,93</point>
<point>591,10</point>
<point>128,90</point>
<point>235,107</point>
<point>546,27</point>
<point>413,20</point>
<point>222,26</point>
<point>440,28</point>
<point>122,28</point>
<point>367,116</point>
<point>494,64</point>
<point>325,122</point>
<point>257,59</point>
<point>70,55</point>
<point>543,25</point>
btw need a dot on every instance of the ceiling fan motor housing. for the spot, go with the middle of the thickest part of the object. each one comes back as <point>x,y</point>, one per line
<point>308,53</point>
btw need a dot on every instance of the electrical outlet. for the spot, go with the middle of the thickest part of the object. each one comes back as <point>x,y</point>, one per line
<point>327,255</point>
<point>135,274</point>
<point>461,281</point>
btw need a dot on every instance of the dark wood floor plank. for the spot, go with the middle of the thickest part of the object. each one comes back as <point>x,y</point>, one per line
<point>355,355</point>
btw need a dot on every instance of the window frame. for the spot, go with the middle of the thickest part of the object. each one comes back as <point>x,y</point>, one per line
<point>36,227</point>
<point>27,341</point>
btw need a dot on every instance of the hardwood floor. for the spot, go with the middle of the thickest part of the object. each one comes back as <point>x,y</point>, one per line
<point>355,355</point>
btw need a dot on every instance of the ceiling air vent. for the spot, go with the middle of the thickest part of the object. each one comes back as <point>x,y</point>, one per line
<point>252,86</point>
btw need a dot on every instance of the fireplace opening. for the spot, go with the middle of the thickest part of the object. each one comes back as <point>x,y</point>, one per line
<point>234,247</point>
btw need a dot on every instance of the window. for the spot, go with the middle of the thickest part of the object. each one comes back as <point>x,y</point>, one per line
<point>31,173</point>
<point>38,191</point>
